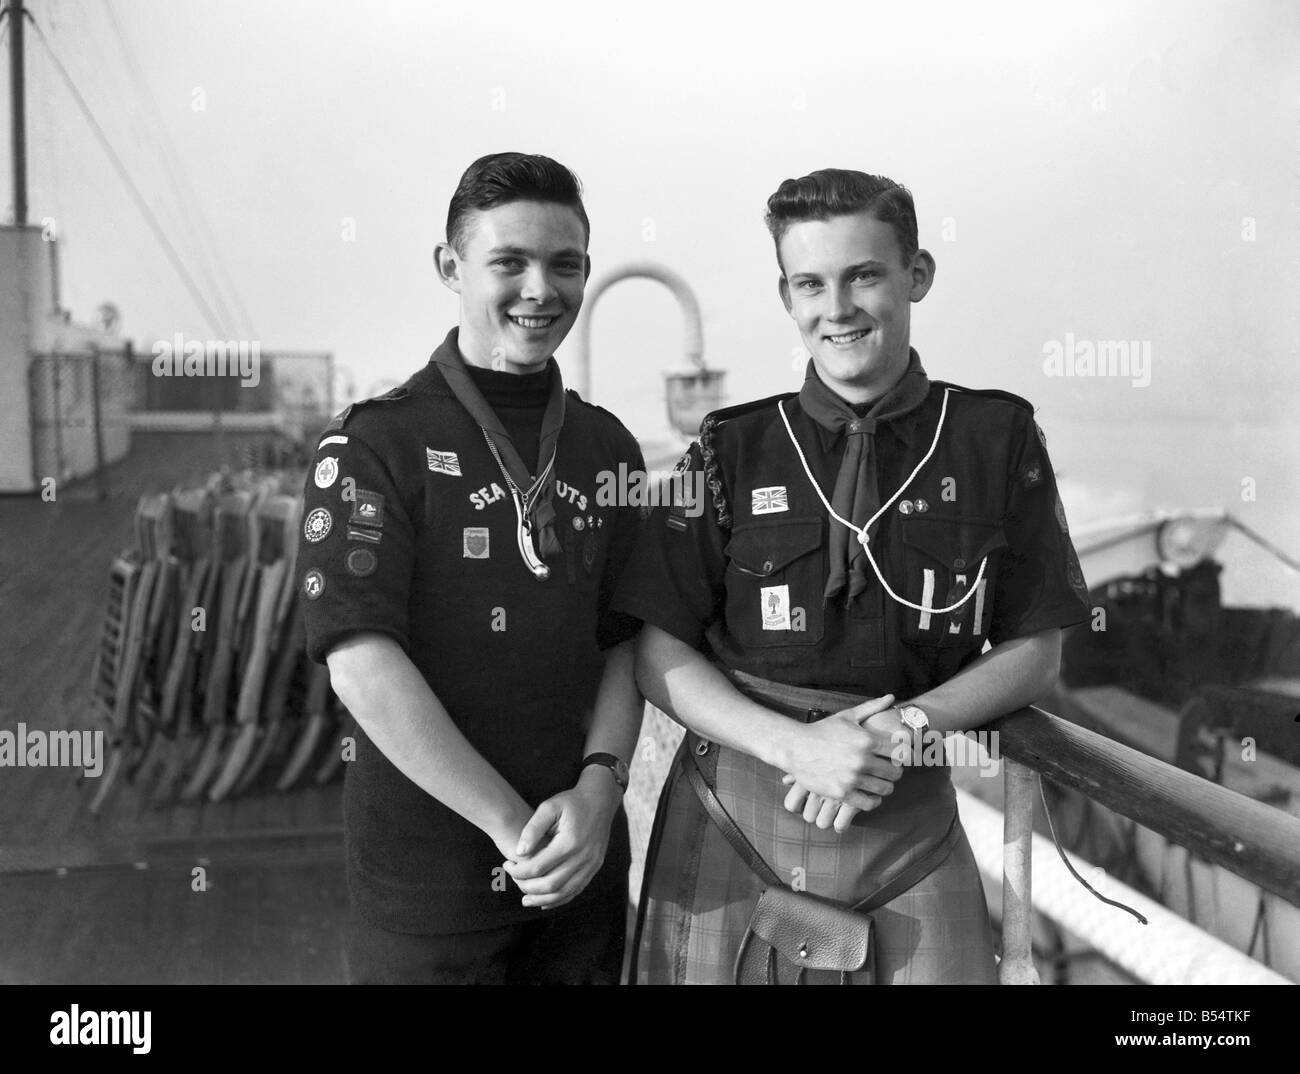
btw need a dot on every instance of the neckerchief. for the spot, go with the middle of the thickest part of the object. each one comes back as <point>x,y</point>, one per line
<point>538,492</point>
<point>857,495</point>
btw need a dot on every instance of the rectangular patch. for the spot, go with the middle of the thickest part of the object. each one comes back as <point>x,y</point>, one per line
<point>475,544</point>
<point>356,533</point>
<point>776,607</point>
<point>368,509</point>
<point>443,462</point>
<point>332,440</point>
<point>769,501</point>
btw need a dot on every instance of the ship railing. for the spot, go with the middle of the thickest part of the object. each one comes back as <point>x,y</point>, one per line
<point>1255,841</point>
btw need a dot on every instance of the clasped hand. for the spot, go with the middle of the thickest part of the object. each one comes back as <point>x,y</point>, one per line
<point>843,765</point>
<point>563,844</point>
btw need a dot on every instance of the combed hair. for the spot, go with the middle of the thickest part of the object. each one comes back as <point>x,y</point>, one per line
<point>500,178</point>
<point>839,192</point>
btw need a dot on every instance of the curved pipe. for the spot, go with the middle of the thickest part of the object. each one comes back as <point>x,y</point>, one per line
<point>693,343</point>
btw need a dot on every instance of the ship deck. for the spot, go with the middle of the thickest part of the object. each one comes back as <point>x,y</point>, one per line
<point>109,899</point>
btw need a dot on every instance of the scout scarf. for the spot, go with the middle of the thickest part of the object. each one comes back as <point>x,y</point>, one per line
<point>857,495</point>
<point>533,496</point>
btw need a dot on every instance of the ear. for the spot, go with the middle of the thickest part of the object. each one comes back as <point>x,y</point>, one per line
<point>783,288</point>
<point>447,262</point>
<point>586,268</point>
<point>923,269</point>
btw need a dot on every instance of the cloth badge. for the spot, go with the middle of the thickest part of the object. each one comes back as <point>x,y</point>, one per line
<point>368,509</point>
<point>356,533</point>
<point>443,462</point>
<point>775,607</point>
<point>362,562</point>
<point>769,501</point>
<point>475,544</point>
<point>317,525</point>
<point>332,440</point>
<point>327,470</point>
<point>313,585</point>
<point>1032,475</point>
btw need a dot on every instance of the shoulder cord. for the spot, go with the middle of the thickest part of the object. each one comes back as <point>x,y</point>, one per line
<point>711,476</point>
<point>862,535</point>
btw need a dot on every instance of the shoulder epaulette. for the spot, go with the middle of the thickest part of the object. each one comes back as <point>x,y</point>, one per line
<point>726,413</point>
<point>596,406</point>
<point>340,419</point>
<point>987,393</point>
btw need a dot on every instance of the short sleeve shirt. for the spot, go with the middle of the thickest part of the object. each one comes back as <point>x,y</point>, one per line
<point>409,530</point>
<point>737,564</point>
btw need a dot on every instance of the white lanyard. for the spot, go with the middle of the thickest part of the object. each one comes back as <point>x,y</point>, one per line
<point>863,538</point>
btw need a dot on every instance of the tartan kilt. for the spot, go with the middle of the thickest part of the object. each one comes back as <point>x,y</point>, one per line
<point>698,894</point>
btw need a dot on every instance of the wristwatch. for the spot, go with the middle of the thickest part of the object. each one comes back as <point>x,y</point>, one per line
<point>608,760</point>
<point>915,718</point>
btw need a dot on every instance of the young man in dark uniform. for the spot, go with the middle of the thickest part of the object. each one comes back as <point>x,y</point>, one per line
<point>457,574</point>
<point>865,538</point>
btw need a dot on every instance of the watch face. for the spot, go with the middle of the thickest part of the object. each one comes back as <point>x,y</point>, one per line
<point>914,717</point>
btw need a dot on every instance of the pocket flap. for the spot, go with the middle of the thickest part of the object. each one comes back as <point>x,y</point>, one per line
<point>958,544</point>
<point>764,549</point>
<point>810,933</point>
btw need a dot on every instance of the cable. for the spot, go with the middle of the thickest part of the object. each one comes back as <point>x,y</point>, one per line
<point>141,203</point>
<point>179,178</point>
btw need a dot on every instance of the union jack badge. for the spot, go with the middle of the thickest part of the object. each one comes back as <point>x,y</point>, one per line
<point>443,462</point>
<point>769,501</point>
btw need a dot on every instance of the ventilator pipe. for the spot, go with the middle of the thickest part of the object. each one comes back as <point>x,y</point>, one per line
<point>694,338</point>
<point>1017,965</point>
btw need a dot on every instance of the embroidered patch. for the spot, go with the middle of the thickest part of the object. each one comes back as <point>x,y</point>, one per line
<point>317,525</point>
<point>326,471</point>
<point>443,462</point>
<point>356,533</point>
<point>776,607</point>
<point>362,562</point>
<point>313,585</point>
<point>368,509</point>
<point>332,440</point>
<point>1033,475</point>
<point>769,501</point>
<point>475,543</point>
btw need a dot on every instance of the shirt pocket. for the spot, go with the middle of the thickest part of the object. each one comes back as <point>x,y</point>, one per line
<point>776,573</point>
<point>941,564</point>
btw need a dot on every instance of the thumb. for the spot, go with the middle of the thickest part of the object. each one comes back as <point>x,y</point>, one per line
<point>859,713</point>
<point>538,825</point>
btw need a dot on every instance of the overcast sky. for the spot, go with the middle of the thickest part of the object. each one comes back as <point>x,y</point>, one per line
<point>1117,171</point>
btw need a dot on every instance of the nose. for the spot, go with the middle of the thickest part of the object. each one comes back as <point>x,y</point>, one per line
<point>538,286</point>
<point>838,303</point>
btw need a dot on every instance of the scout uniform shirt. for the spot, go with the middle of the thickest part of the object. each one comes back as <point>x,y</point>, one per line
<point>747,569</point>
<point>410,530</point>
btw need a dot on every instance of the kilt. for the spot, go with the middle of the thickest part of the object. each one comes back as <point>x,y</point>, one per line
<point>698,894</point>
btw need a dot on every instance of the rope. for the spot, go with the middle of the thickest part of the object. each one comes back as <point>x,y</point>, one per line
<point>861,533</point>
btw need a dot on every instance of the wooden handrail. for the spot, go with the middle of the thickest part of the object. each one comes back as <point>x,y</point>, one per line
<point>1257,842</point>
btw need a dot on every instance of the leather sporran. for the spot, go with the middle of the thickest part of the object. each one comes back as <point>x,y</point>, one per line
<point>795,938</point>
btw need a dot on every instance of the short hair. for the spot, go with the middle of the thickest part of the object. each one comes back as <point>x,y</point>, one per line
<point>500,178</point>
<point>839,192</point>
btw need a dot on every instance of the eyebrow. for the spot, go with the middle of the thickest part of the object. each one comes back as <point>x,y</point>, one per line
<point>520,251</point>
<point>870,263</point>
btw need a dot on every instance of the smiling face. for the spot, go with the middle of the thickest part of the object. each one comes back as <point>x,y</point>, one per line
<point>850,294</point>
<point>520,277</point>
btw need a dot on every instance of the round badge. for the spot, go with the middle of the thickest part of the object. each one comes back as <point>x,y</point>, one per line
<point>326,471</point>
<point>921,505</point>
<point>905,507</point>
<point>317,525</point>
<point>578,524</point>
<point>362,562</point>
<point>313,585</point>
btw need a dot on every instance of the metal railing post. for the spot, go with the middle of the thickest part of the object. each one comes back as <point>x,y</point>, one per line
<point>1017,966</point>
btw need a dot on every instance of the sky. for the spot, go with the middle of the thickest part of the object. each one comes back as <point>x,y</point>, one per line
<point>1083,173</point>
